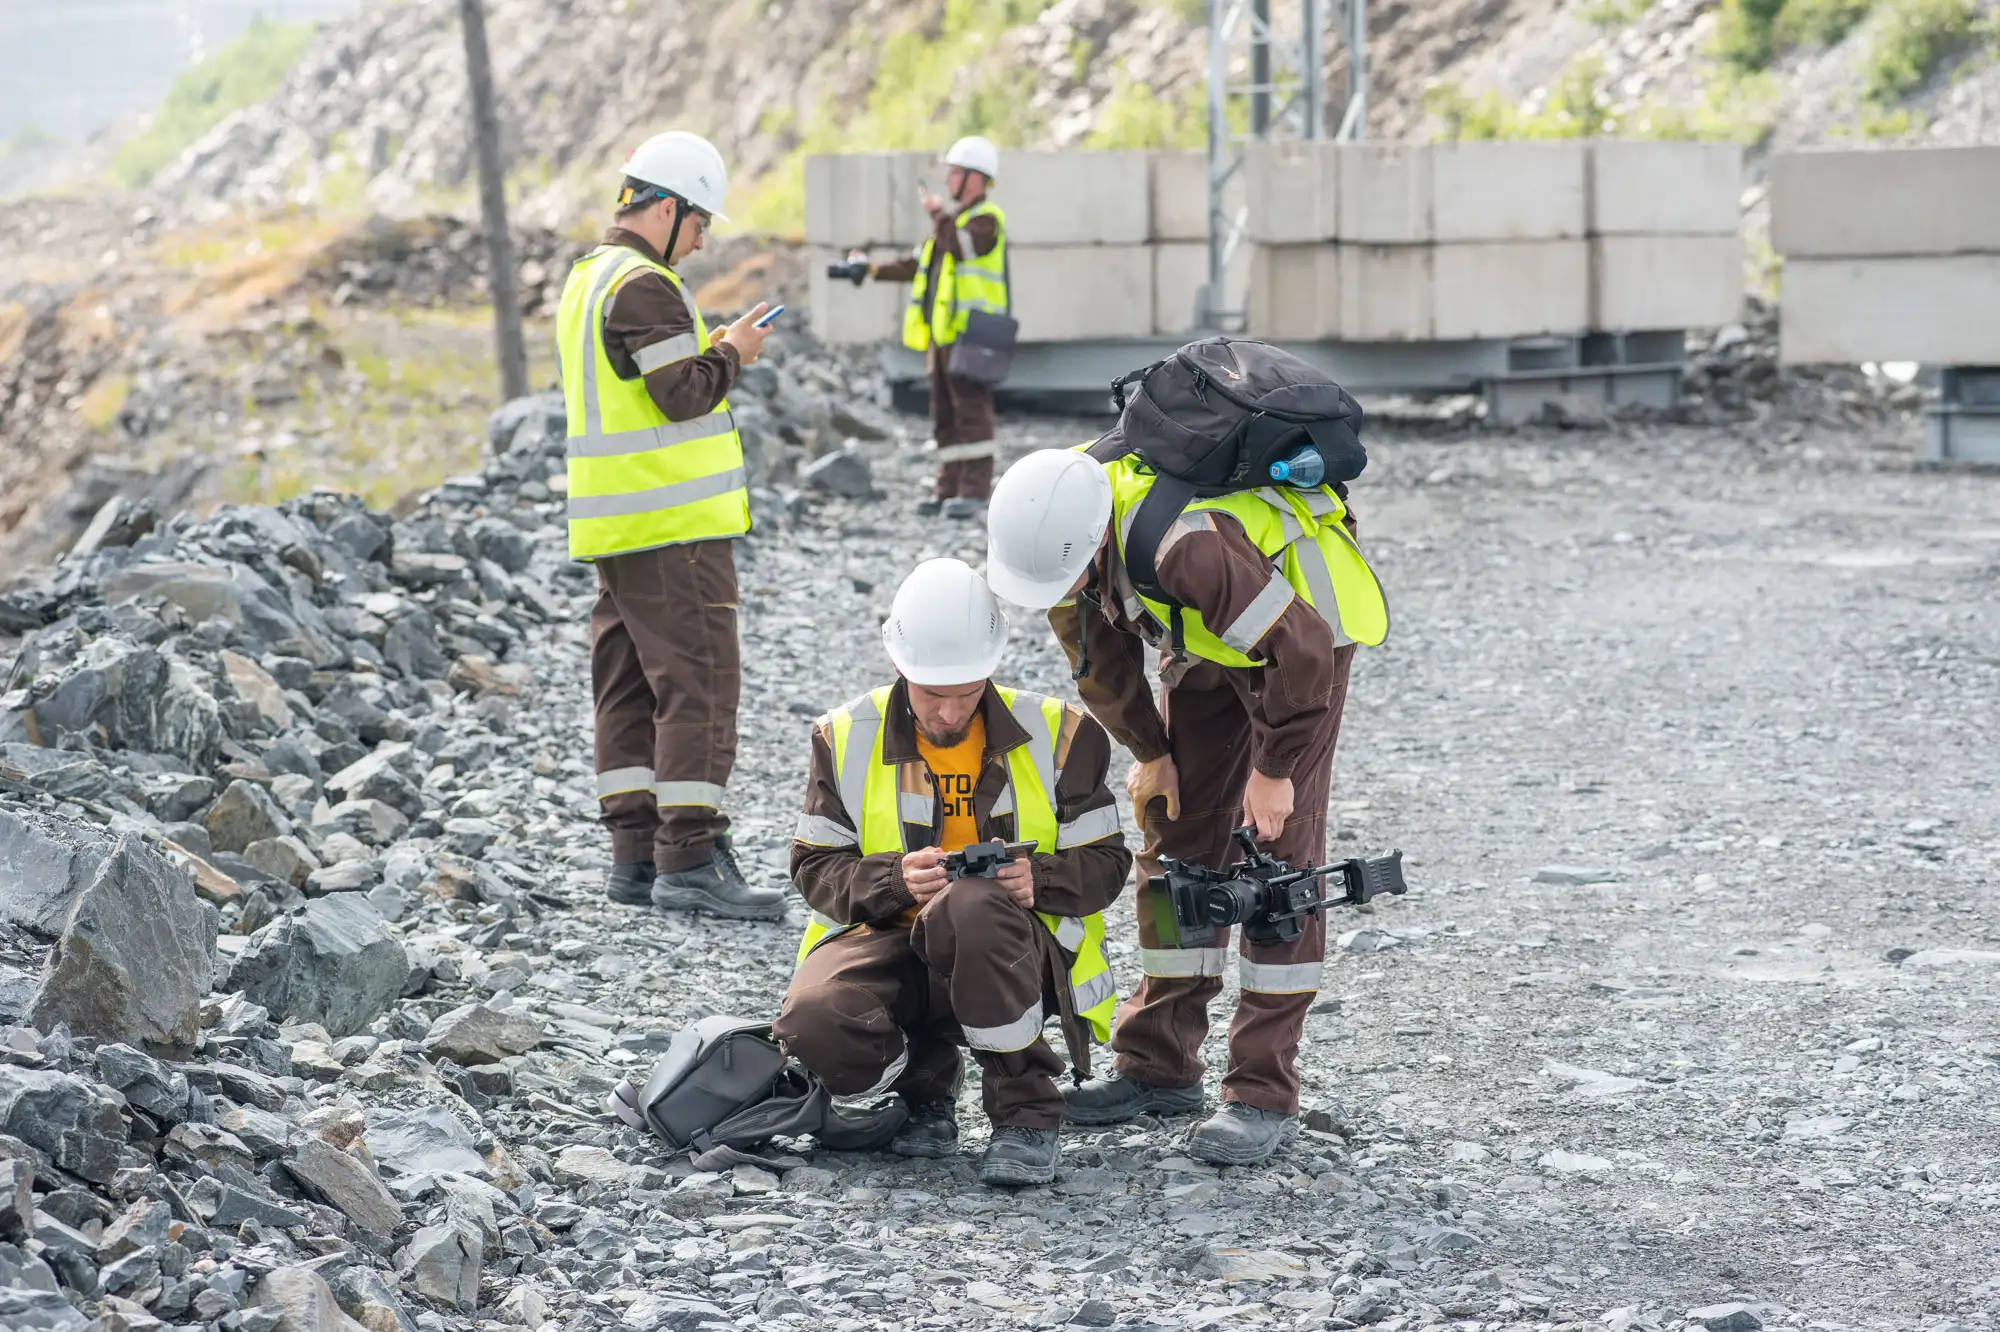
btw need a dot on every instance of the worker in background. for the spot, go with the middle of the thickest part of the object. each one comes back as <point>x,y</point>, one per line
<point>901,963</point>
<point>656,495</point>
<point>962,267</point>
<point>1243,733</point>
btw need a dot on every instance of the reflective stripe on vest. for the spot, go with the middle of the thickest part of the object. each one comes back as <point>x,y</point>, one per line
<point>966,282</point>
<point>1312,557</point>
<point>869,789</point>
<point>638,481</point>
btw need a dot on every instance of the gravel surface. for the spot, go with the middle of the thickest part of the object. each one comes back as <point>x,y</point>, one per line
<point>1682,1024</point>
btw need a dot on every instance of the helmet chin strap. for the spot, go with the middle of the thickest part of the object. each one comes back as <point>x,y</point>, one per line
<point>674,235</point>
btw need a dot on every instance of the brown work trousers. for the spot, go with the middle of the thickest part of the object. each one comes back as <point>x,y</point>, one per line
<point>961,413</point>
<point>1161,1026</point>
<point>886,1009</point>
<point>666,671</point>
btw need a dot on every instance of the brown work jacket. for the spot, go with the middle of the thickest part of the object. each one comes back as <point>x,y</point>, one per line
<point>1206,563</point>
<point>981,234</point>
<point>645,309</point>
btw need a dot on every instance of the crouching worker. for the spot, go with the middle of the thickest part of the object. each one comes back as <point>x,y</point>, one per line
<point>903,960</point>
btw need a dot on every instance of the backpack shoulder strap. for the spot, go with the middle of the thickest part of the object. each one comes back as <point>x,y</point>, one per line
<point>1157,512</point>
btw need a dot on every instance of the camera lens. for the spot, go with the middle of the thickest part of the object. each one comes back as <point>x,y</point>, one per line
<point>1229,903</point>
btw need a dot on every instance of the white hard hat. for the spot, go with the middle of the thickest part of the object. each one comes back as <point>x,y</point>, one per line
<point>945,626</point>
<point>683,164</point>
<point>975,154</point>
<point>1046,520</point>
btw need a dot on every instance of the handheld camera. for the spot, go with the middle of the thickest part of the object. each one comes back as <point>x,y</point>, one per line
<point>982,860</point>
<point>1263,894</point>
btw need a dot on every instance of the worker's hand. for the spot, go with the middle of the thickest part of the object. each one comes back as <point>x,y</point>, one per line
<point>857,256</point>
<point>932,204</point>
<point>1267,803</point>
<point>1157,777</point>
<point>923,873</point>
<point>1017,876</point>
<point>746,337</point>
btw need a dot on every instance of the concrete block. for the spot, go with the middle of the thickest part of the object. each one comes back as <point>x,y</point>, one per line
<point>1384,193</point>
<point>1067,292</point>
<point>1507,191</point>
<point>1179,270</point>
<point>1640,282</point>
<point>1074,198</point>
<point>847,200</point>
<point>1295,292</point>
<point>843,313</point>
<point>1293,191</point>
<point>1180,195</point>
<point>1385,293</point>
<point>1933,308</point>
<point>909,175</point>
<point>1880,202</point>
<point>1660,187</point>
<point>1506,289</point>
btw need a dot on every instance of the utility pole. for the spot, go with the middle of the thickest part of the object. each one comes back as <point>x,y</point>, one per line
<point>509,344</point>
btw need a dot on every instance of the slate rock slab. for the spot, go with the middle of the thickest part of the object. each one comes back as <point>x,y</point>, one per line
<point>430,1141</point>
<point>332,961</point>
<point>477,1034</point>
<point>77,1123</point>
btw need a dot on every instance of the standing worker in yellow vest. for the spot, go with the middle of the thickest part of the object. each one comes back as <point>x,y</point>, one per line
<point>1275,596</point>
<point>657,492</point>
<point>903,963</point>
<point>960,269</point>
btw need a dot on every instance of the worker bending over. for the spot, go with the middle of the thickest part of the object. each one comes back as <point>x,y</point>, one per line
<point>656,494</point>
<point>1243,733</point>
<point>961,268</point>
<point>901,963</point>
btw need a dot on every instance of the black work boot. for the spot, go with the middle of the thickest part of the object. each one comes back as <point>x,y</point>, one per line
<point>717,888</point>
<point>1115,1098</point>
<point>1241,1135</point>
<point>929,507</point>
<point>630,885</point>
<point>930,1132</point>
<point>1018,1157</point>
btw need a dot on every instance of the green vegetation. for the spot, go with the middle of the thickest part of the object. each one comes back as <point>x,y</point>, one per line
<point>246,71</point>
<point>1750,34</point>
<point>1614,13</point>
<point>1136,116</point>
<point>1915,36</point>
<point>1734,108</point>
<point>1882,123</point>
<point>931,85</point>
<point>1821,22</point>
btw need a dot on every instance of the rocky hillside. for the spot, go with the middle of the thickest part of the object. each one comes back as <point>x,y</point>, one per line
<point>377,107</point>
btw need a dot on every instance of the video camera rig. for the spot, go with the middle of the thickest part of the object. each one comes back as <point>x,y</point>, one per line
<point>1263,894</point>
<point>854,270</point>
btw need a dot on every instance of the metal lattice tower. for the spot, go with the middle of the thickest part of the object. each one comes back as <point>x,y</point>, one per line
<point>1267,81</point>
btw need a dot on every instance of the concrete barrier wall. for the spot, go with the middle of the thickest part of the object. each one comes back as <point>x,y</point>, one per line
<point>1935,308</point>
<point>1880,203</point>
<point>1420,241</point>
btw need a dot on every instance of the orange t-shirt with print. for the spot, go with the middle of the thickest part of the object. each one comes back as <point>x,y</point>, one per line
<point>956,771</point>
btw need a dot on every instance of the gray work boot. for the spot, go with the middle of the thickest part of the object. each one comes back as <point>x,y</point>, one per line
<point>930,1132</point>
<point>1115,1098</point>
<point>717,888</point>
<point>1241,1135</point>
<point>630,885</point>
<point>963,509</point>
<point>1018,1157</point>
<point>929,508</point>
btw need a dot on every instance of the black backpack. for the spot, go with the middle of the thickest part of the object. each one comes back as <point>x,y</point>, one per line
<point>724,1088</point>
<point>1211,420</point>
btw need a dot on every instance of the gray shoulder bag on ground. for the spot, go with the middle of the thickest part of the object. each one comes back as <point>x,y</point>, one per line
<point>984,353</point>
<point>724,1087</point>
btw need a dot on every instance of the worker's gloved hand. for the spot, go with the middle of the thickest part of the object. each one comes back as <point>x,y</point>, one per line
<point>746,337</point>
<point>924,874</point>
<point>1157,777</point>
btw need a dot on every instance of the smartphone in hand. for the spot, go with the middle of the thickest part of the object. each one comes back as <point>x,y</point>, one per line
<point>765,322</point>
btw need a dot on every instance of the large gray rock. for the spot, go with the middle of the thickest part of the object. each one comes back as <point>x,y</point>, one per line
<point>442,1265</point>
<point>430,1141</point>
<point>133,697</point>
<point>244,813</point>
<point>305,1303</point>
<point>38,1311</point>
<point>144,1081</point>
<point>76,1123</point>
<point>333,961</point>
<point>232,592</point>
<point>135,948</point>
<point>477,1034</point>
<point>843,472</point>
<point>346,1184</point>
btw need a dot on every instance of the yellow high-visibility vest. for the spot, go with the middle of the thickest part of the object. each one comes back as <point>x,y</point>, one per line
<point>966,282</point>
<point>1312,558</point>
<point>868,788</point>
<point>637,480</point>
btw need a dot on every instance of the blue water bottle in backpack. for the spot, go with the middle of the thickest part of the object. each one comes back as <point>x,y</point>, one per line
<point>1304,469</point>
